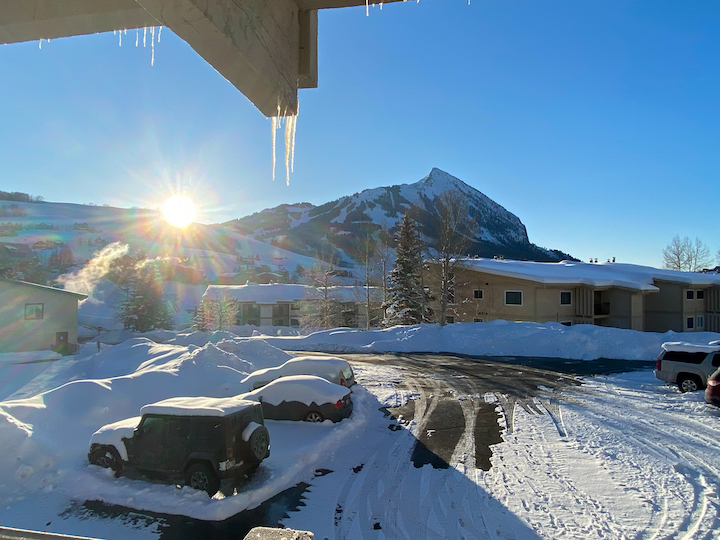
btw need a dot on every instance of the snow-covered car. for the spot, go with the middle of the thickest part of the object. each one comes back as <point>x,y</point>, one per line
<point>198,440</point>
<point>331,368</point>
<point>712,390</point>
<point>303,397</point>
<point>687,364</point>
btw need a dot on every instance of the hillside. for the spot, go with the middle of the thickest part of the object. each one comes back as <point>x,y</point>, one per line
<point>341,225</point>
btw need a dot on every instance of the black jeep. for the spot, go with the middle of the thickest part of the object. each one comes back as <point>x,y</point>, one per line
<point>197,440</point>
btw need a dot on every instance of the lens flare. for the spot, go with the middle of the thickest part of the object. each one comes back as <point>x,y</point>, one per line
<point>179,211</point>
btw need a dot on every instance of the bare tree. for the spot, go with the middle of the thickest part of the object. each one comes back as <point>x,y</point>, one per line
<point>383,258</point>
<point>220,313</point>
<point>452,232</point>
<point>686,255</point>
<point>366,288</point>
<point>325,312</point>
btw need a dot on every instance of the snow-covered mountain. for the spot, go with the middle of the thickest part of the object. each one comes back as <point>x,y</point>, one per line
<point>342,224</point>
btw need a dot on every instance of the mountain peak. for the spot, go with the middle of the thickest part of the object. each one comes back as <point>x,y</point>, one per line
<point>340,223</point>
<point>440,178</point>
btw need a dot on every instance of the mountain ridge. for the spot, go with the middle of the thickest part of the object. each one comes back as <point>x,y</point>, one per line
<point>341,225</point>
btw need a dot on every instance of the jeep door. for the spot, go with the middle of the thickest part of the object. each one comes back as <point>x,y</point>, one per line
<point>175,448</point>
<point>145,448</point>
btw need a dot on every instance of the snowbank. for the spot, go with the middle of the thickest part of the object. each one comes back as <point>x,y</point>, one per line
<point>496,338</point>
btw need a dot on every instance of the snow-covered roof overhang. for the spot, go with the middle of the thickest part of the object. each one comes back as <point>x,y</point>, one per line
<point>596,275</point>
<point>271,293</point>
<point>15,282</point>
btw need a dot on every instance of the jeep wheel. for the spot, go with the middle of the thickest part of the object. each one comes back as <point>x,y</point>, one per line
<point>200,476</point>
<point>688,383</point>
<point>107,457</point>
<point>314,416</point>
<point>259,443</point>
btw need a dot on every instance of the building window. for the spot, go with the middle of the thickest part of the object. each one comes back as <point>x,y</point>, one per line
<point>700,320</point>
<point>478,294</point>
<point>449,319</point>
<point>513,298</point>
<point>281,310</point>
<point>34,311</point>
<point>295,322</point>
<point>690,321</point>
<point>566,323</point>
<point>565,298</point>
<point>700,295</point>
<point>478,319</point>
<point>690,295</point>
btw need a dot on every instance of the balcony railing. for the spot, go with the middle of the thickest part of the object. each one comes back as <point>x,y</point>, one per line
<point>602,308</point>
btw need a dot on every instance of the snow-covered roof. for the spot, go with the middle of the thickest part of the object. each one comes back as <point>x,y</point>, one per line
<point>303,388</point>
<point>273,293</point>
<point>197,406</point>
<point>683,346</point>
<point>79,296</point>
<point>629,276</point>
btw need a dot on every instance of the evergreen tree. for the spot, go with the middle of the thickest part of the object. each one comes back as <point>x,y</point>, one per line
<point>145,307</point>
<point>200,318</point>
<point>407,301</point>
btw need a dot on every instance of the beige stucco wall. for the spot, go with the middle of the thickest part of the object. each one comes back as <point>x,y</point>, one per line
<point>663,309</point>
<point>20,334</point>
<point>540,302</point>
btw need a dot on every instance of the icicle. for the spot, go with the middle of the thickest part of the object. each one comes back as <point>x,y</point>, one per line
<point>289,128</point>
<point>152,45</point>
<point>137,37</point>
<point>294,129</point>
<point>144,36</point>
<point>273,128</point>
<point>367,8</point>
<point>120,38</point>
<point>160,31</point>
<point>40,44</point>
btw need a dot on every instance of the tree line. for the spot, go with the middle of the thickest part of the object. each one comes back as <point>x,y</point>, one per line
<point>688,255</point>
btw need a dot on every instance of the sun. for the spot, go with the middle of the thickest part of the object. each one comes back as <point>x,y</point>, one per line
<point>179,211</point>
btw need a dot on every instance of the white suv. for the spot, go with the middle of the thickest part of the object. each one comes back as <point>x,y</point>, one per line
<point>688,365</point>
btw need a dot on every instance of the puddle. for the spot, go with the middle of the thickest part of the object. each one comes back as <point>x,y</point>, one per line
<point>171,527</point>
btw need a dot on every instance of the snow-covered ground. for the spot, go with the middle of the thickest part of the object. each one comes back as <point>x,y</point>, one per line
<point>621,456</point>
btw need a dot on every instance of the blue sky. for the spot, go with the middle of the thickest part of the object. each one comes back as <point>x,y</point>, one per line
<point>596,123</point>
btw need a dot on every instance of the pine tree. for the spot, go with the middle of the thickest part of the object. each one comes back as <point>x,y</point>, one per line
<point>407,301</point>
<point>200,318</point>
<point>145,307</point>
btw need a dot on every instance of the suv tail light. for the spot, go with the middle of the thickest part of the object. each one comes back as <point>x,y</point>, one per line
<point>658,364</point>
<point>342,382</point>
<point>339,404</point>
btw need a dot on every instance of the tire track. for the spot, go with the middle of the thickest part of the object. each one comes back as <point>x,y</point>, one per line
<point>643,433</point>
<point>380,460</point>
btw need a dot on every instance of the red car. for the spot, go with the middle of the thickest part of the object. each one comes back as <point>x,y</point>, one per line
<point>712,390</point>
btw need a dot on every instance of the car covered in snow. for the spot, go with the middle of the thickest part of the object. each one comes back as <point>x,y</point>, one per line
<point>303,397</point>
<point>687,364</point>
<point>712,390</point>
<point>195,440</point>
<point>331,368</point>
